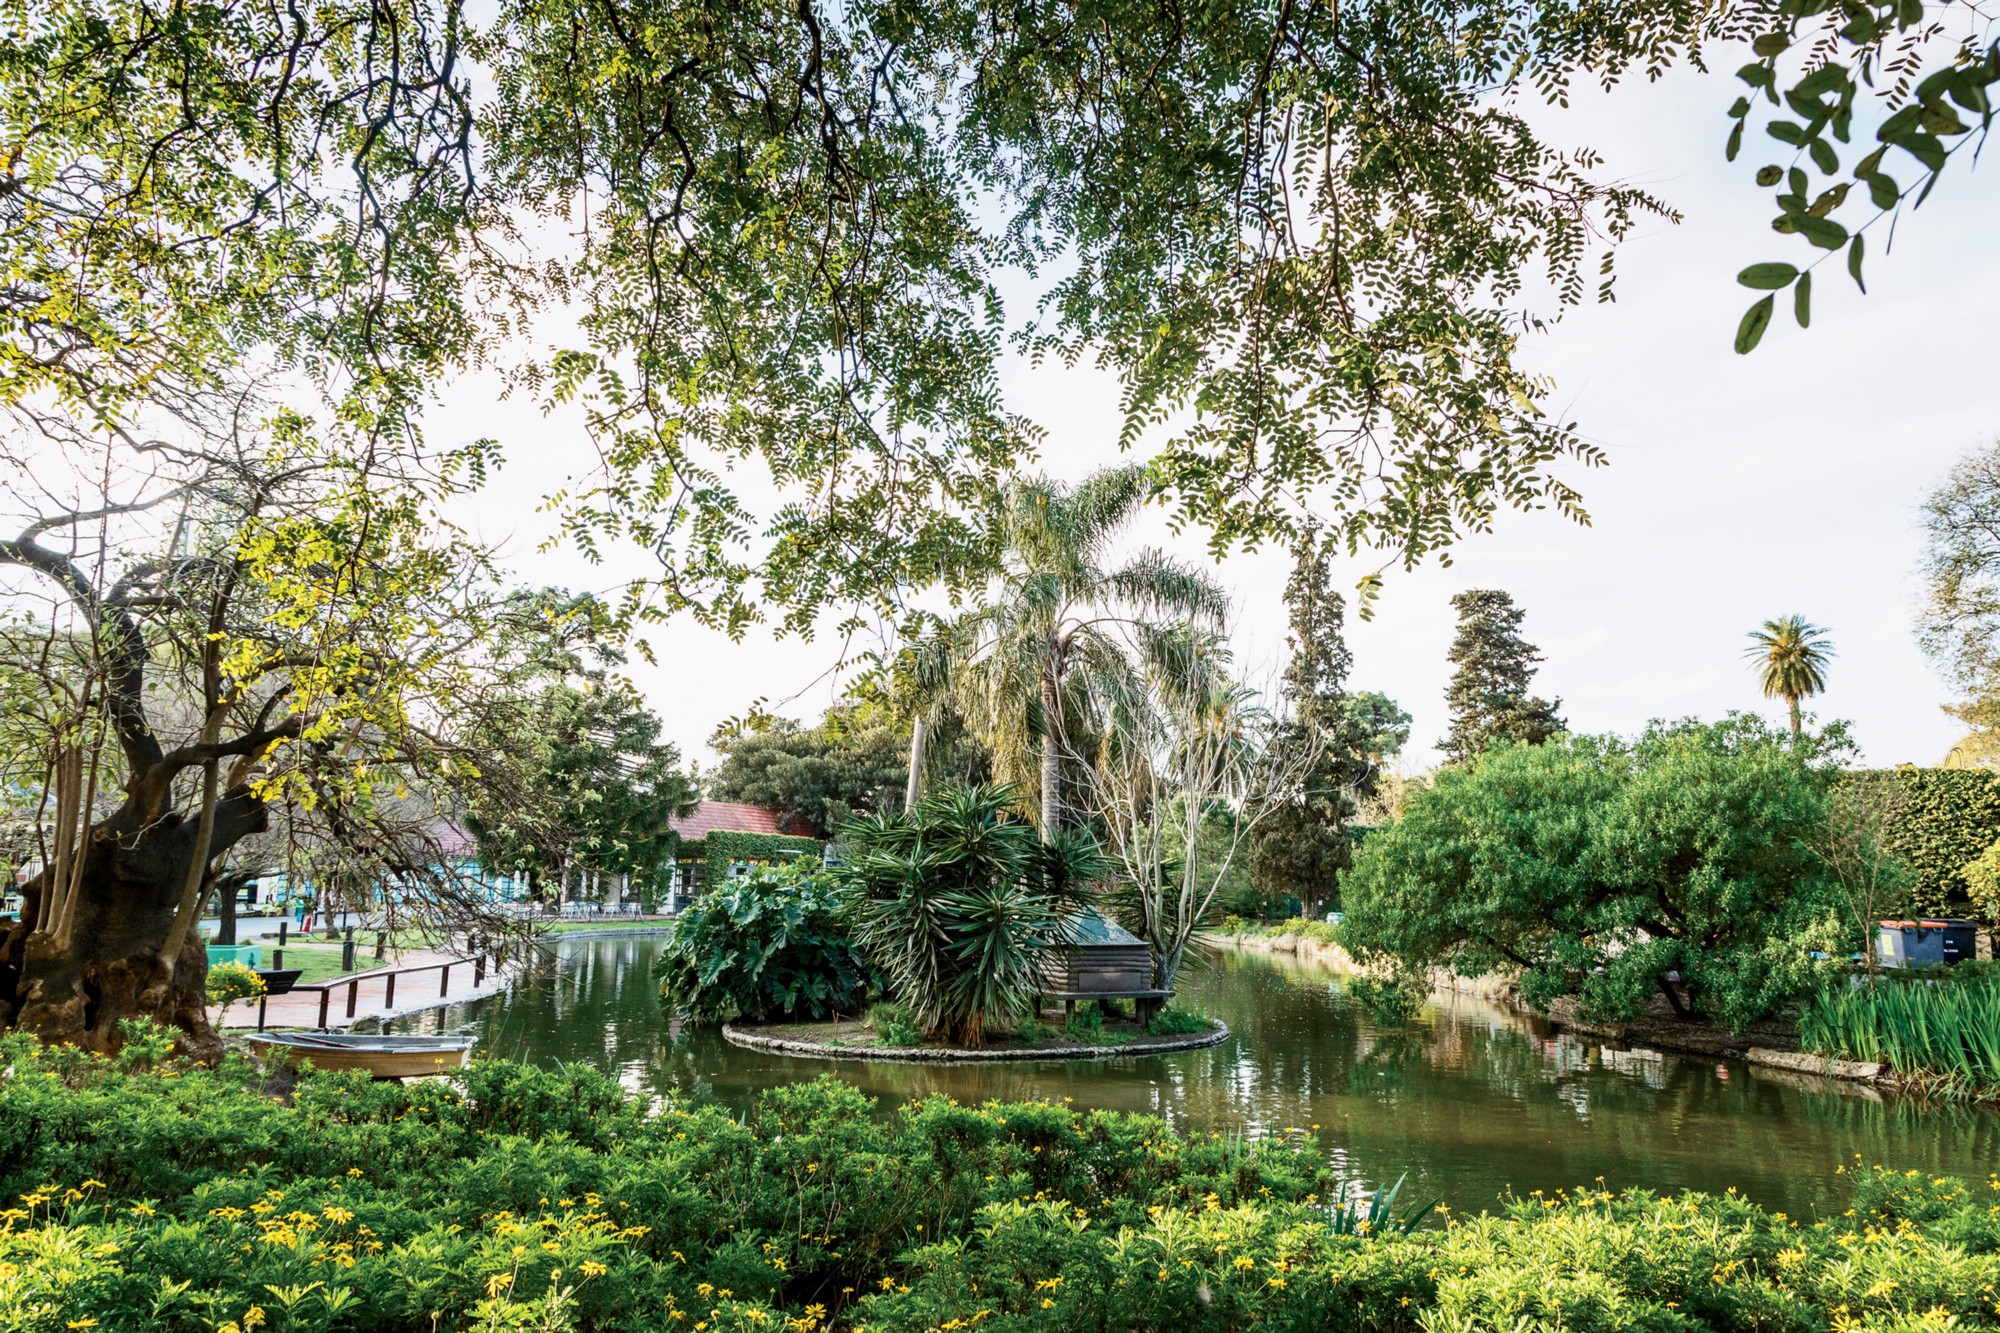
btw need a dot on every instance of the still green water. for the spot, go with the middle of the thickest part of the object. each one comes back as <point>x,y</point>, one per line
<point>1473,1100</point>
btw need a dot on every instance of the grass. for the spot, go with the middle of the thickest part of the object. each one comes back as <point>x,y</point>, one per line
<point>888,1026</point>
<point>1940,1031</point>
<point>615,923</point>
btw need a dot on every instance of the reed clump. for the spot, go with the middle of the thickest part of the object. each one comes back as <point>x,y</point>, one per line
<point>1938,1031</point>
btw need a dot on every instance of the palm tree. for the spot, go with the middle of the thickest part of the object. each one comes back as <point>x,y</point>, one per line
<point>1052,619</point>
<point>1792,655</point>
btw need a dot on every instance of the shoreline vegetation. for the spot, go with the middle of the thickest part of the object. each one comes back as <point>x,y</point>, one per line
<point>887,1033</point>
<point>1938,1041</point>
<point>151,1195</point>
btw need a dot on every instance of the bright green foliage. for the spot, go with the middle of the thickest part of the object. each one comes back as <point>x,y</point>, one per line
<point>1841,60</point>
<point>1791,657</point>
<point>1942,1032</point>
<point>227,983</point>
<point>1597,867</point>
<point>1174,1021</point>
<point>720,851</point>
<point>1948,819</point>
<point>962,905</point>
<point>774,944</point>
<point>1300,849</point>
<point>1052,639</point>
<point>143,1191</point>
<point>1488,695</point>
<point>893,1026</point>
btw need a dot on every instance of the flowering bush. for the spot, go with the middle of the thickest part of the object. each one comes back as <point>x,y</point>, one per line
<point>227,983</point>
<point>158,1198</point>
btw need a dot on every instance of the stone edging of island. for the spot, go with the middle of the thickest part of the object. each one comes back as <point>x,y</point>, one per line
<point>819,1050</point>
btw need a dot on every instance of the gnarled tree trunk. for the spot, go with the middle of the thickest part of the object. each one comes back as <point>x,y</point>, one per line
<point>106,959</point>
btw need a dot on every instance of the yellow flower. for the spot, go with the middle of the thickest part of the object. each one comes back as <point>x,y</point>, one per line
<point>591,1268</point>
<point>1244,1261</point>
<point>82,1323</point>
<point>253,1316</point>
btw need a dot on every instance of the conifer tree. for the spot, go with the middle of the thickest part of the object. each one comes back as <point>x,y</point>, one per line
<point>1488,695</point>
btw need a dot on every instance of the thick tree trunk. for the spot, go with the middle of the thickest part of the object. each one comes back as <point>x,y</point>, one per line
<point>76,985</point>
<point>225,911</point>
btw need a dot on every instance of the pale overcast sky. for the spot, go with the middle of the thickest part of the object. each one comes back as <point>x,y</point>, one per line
<point>1739,488</point>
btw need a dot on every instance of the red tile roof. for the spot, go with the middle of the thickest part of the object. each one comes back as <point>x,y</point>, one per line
<point>729,817</point>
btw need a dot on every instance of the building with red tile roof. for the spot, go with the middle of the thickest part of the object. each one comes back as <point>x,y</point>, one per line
<point>735,817</point>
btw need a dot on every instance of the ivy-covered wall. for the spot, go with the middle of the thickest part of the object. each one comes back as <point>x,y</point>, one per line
<point>719,850</point>
<point>1949,817</point>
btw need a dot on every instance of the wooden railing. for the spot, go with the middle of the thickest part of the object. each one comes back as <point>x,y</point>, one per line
<point>387,975</point>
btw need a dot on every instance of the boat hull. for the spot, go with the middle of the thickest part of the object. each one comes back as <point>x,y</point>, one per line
<point>383,1061</point>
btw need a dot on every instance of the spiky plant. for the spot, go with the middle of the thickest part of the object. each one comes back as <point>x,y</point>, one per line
<point>1791,655</point>
<point>962,905</point>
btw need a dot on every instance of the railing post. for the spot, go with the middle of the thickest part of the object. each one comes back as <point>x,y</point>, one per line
<point>263,1002</point>
<point>444,980</point>
<point>478,971</point>
<point>389,992</point>
<point>325,998</point>
<point>353,994</point>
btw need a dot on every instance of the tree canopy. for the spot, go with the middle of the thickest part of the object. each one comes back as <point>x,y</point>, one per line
<point>1678,864</point>
<point>1488,695</point>
<point>794,241</point>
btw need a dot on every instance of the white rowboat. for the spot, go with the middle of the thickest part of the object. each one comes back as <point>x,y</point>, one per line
<point>381,1055</point>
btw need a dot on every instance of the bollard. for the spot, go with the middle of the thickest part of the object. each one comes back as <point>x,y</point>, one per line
<point>381,943</point>
<point>277,960</point>
<point>283,924</point>
<point>347,955</point>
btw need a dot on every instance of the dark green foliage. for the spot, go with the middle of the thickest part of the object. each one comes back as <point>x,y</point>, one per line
<point>721,850</point>
<point>961,905</point>
<point>1598,867</point>
<point>775,944</point>
<point>1300,848</point>
<point>854,762</point>
<point>1174,1021</point>
<point>1949,816</point>
<point>599,787</point>
<point>1488,695</point>
<point>152,1196</point>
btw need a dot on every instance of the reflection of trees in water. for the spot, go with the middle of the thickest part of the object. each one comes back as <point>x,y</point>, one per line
<point>1472,1098</point>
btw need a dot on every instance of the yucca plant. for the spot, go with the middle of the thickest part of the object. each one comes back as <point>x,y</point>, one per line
<point>961,905</point>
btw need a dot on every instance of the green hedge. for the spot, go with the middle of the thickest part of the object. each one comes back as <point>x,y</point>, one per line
<point>1950,816</point>
<point>163,1200</point>
<point>719,850</point>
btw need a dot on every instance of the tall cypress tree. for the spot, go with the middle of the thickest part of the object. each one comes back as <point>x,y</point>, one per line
<point>1301,848</point>
<point>1488,696</point>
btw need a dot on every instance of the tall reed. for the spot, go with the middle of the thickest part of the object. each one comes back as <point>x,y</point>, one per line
<point>1939,1028</point>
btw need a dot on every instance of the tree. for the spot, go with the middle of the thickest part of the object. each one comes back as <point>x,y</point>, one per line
<point>1181,739</point>
<point>599,788</point>
<point>1488,695</point>
<point>229,621</point>
<point>1958,624</point>
<point>1857,849</point>
<point>1791,656</point>
<point>1051,623</point>
<point>853,762</point>
<point>785,227</point>
<point>1678,864</point>
<point>1301,849</point>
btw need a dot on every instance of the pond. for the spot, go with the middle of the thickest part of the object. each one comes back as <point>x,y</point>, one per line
<point>1472,1100</point>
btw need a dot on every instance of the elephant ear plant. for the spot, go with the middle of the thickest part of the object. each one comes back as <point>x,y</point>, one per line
<point>961,905</point>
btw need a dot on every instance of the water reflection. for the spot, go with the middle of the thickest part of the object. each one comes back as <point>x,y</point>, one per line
<point>1471,1100</point>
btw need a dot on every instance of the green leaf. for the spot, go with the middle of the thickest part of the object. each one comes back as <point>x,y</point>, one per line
<point>1735,141</point>
<point>1823,156</point>
<point>1757,76</point>
<point>1901,123</point>
<point>1785,131</point>
<point>1822,232</point>
<point>1924,147</point>
<point>1771,44</point>
<point>1802,301</point>
<point>1854,263</point>
<point>1883,190</point>
<point>1941,119</point>
<point>1755,320</point>
<point>1768,277</point>
<point>1770,175</point>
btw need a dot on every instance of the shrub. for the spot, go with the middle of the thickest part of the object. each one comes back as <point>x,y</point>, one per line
<point>774,944</point>
<point>511,1197</point>
<point>1086,1024</point>
<point>227,983</point>
<point>1174,1021</point>
<point>1948,818</point>
<point>962,905</point>
<point>893,1025</point>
